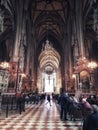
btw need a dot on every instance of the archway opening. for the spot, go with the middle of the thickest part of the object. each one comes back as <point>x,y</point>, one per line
<point>49,60</point>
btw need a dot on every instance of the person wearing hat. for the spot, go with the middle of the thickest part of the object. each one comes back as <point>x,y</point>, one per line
<point>91,122</point>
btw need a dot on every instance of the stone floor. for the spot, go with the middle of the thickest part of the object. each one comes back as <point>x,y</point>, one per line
<point>38,117</point>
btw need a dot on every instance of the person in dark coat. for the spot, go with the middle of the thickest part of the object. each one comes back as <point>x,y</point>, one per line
<point>49,99</point>
<point>62,101</point>
<point>91,122</point>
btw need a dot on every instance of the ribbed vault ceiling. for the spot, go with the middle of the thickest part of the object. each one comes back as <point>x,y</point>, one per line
<point>48,17</point>
<point>51,13</point>
<point>49,58</point>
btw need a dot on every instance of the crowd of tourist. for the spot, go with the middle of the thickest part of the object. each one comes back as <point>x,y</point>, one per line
<point>71,107</point>
<point>84,107</point>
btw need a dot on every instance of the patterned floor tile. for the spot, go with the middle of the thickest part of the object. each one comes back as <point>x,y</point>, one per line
<point>37,117</point>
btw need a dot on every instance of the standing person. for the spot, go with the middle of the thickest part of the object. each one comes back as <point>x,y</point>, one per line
<point>91,122</point>
<point>49,99</point>
<point>63,101</point>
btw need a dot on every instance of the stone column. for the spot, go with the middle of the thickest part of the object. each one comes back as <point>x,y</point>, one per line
<point>1,20</point>
<point>0,104</point>
<point>33,58</point>
<point>19,23</point>
<point>79,27</point>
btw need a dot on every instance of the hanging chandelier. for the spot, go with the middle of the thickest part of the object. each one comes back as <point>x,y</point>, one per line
<point>92,65</point>
<point>4,65</point>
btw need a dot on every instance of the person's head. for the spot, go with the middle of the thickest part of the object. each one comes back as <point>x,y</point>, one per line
<point>95,108</point>
<point>62,90</point>
<point>83,100</point>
